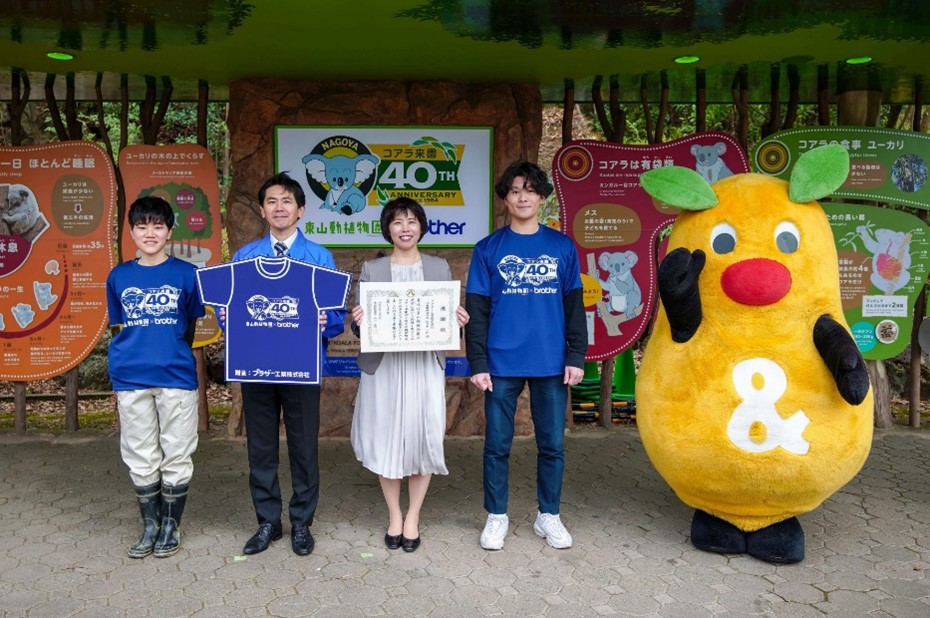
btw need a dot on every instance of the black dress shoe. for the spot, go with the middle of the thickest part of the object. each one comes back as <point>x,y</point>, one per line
<point>393,540</point>
<point>301,540</point>
<point>262,539</point>
<point>409,545</point>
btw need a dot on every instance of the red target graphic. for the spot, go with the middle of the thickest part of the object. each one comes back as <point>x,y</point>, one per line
<point>575,163</point>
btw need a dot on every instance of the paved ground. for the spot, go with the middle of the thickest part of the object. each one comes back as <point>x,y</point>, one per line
<point>67,516</point>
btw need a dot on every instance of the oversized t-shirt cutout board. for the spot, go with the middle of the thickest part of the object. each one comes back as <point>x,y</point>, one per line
<point>56,250</point>
<point>614,224</point>
<point>184,175</point>
<point>272,315</point>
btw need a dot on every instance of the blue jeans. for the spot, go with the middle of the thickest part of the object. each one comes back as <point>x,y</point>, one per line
<point>548,397</point>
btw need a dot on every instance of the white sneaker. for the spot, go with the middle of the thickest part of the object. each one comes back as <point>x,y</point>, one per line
<point>550,528</point>
<point>495,529</point>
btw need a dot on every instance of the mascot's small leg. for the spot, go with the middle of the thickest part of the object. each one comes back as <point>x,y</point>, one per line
<point>782,543</point>
<point>714,534</point>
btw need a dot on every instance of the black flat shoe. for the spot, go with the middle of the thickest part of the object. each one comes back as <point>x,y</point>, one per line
<point>302,541</point>
<point>262,539</point>
<point>393,541</point>
<point>409,545</point>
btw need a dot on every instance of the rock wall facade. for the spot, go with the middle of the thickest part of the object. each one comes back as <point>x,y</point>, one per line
<point>257,105</point>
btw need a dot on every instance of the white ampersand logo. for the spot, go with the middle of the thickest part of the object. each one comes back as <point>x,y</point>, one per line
<point>756,426</point>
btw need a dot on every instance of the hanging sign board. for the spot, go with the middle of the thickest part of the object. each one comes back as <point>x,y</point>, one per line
<point>184,175</point>
<point>56,250</point>
<point>615,224</point>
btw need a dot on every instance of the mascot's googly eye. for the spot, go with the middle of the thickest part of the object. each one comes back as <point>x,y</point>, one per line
<point>787,237</point>
<point>723,238</point>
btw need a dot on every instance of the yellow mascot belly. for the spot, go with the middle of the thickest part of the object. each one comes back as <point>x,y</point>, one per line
<point>752,436</point>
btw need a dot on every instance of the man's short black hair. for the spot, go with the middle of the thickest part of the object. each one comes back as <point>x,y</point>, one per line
<point>532,175</point>
<point>288,184</point>
<point>151,209</point>
<point>402,205</point>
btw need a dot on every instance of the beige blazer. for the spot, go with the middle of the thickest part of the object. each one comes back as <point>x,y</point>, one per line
<point>379,269</point>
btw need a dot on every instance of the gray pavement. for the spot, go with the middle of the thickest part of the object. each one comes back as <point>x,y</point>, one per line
<point>67,515</point>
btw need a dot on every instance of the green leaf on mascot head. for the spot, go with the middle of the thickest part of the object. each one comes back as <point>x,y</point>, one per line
<point>680,187</point>
<point>818,173</point>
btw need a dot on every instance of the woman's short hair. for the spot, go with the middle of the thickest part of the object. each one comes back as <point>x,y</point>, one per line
<point>402,205</point>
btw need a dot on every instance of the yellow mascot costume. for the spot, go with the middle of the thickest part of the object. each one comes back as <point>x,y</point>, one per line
<point>753,401</point>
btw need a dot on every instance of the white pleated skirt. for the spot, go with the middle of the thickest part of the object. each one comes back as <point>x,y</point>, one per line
<point>400,416</point>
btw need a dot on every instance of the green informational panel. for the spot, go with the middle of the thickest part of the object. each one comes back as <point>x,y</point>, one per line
<point>884,257</point>
<point>886,165</point>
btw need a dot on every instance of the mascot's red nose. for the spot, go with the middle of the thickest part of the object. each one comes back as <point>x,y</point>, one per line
<point>759,281</point>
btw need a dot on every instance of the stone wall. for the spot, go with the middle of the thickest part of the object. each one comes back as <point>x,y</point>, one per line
<point>257,105</point>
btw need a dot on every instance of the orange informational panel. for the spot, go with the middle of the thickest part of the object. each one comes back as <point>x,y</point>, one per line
<point>56,250</point>
<point>184,175</point>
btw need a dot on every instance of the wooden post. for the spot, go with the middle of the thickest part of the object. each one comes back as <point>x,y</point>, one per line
<point>203,404</point>
<point>607,399</point>
<point>920,307</point>
<point>700,100</point>
<point>236,426</point>
<point>19,407</point>
<point>568,110</point>
<point>71,400</point>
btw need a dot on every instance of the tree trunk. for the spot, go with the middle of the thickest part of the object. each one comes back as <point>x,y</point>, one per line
<point>879,378</point>
<point>236,426</point>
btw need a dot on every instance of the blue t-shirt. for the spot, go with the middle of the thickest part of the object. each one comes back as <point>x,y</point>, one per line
<point>305,250</point>
<point>527,277</point>
<point>272,304</point>
<point>155,305</point>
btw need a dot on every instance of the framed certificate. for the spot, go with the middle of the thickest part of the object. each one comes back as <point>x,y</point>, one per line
<point>409,316</point>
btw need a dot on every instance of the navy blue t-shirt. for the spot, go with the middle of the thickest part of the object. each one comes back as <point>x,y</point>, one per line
<point>527,277</point>
<point>272,315</point>
<point>155,305</point>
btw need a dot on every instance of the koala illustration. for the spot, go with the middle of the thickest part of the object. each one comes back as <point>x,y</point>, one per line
<point>512,270</point>
<point>625,295</point>
<point>708,162</point>
<point>341,174</point>
<point>132,300</point>
<point>21,211</point>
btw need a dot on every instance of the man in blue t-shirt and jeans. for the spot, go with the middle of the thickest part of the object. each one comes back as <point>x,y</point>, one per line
<point>527,325</point>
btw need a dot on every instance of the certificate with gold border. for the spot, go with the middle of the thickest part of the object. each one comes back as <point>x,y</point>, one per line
<point>409,316</point>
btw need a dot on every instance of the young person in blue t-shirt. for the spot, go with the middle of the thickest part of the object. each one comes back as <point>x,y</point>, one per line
<point>527,325</point>
<point>154,303</point>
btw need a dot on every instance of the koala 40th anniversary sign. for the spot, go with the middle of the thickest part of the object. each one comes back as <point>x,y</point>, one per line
<point>349,173</point>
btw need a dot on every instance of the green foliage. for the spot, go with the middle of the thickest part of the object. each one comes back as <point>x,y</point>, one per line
<point>179,127</point>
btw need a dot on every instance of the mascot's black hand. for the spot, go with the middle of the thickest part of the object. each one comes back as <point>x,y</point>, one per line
<point>842,358</point>
<point>678,287</point>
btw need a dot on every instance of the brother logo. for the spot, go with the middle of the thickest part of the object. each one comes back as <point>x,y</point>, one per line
<point>449,229</point>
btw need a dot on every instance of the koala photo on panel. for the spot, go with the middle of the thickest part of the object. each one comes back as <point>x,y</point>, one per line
<point>21,211</point>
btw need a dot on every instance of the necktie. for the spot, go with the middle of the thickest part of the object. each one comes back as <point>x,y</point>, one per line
<point>280,249</point>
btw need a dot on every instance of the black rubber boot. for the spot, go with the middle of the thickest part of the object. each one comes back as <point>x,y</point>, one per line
<point>149,498</point>
<point>173,498</point>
